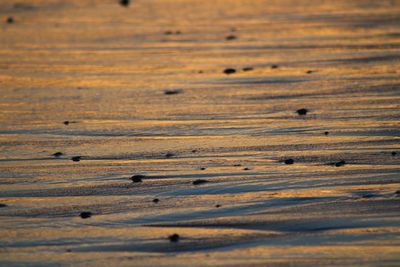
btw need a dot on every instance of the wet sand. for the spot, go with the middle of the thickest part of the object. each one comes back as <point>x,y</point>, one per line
<point>121,126</point>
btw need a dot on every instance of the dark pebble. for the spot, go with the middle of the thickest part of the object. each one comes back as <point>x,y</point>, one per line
<point>199,181</point>
<point>86,214</point>
<point>178,32</point>
<point>247,69</point>
<point>194,150</point>
<point>229,71</point>
<point>230,37</point>
<point>169,155</point>
<point>394,153</point>
<point>217,206</point>
<point>237,165</point>
<point>172,92</point>
<point>10,20</point>
<point>340,163</point>
<point>202,168</point>
<point>289,161</point>
<point>200,71</point>
<point>66,122</point>
<point>302,111</point>
<point>274,66</point>
<point>174,238</point>
<point>137,178</point>
<point>76,158</point>
<point>309,71</point>
<point>326,133</point>
<point>124,2</point>
<point>156,200</point>
<point>246,169</point>
<point>68,250</point>
<point>3,205</point>
<point>57,154</point>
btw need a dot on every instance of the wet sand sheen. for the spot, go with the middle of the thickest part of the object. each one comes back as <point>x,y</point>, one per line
<point>199,133</point>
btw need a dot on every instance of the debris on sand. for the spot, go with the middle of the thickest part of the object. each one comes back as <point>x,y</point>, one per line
<point>124,3</point>
<point>326,133</point>
<point>58,154</point>
<point>274,66</point>
<point>302,111</point>
<point>340,163</point>
<point>76,158</point>
<point>309,71</point>
<point>202,168</point>
<point>169,155</point>
<point>156,200</point>
<point>217,206</point>
<point>172,92</point>
<point>194,150</point>
<point>85,214</point>
<point>2,205</point>
<point>66,122</point>
<point>199,181</point>
<point>248,69</point>
<point>137,178</point>
<point>394,153</point>
<point>230,37</point>
<point>237,165</point>
<point>288,161</point>
<point>246,169</point>
<point>229,71</point>
<point>10,20</point>
<point>173,238</point>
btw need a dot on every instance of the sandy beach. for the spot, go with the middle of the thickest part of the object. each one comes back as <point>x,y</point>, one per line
<point>199,133</point>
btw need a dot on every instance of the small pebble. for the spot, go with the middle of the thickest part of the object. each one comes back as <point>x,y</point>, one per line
<point>194,150</point>
<point>247,69</point>
<point>86,214</point>
<point>173,238</point>
<point>309,71</point>
<point>246,169</point>
<point>2,205</point>
<point>217,206</point>
<point>394,153</point>
<point>57,154</point>
<point>274,66</point>
<point>237,165</point>
<point>229,71</point>
<point>289,161</point>
<point>168,32</point>
<point>340,163</point>
<point>200,71</point>
<point>137,178</point>
<point>124,2</point>
<point>302,111</point>
<point>66,122</point>
<point>202,168</point>
<point>156,200</point>
<point>199,181</point>
<point>10,20</point>
<point>230,37</point>
<point>326,133</point>
<point>172,92</point>
<point>76,158</point>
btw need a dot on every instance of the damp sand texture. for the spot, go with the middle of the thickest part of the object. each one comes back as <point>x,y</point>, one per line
<point>199,133</point>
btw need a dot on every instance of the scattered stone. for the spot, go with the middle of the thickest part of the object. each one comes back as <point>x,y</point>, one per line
<point>230,37</point>
<point>199,181</point>
<point>229,71</point>
<point>2,205</point>
<point>66,122</point>
<point>173,238</point>
<point>237,165</point>
<point>302,111</point>
<point>10,20</point>
<point>156,200</point>
<point>288,161</point>
<point>274,66</point>
<point>169,155</point>
<point>86,214</point>
<point>217,206</point>
<point>326,133</point>
<point>57,154</point>
<point>246,169</point>
<point>168,32</point>
<point>124,3</point>
<point>76,158</point>
<point>202,168</point>
<point>194,150</point>
<point>172,92</point>
<point>340,163</point>
<point>247,69</point>
<point>394,153</point>
<point>309,71</point>
<point>137,178</point>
